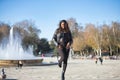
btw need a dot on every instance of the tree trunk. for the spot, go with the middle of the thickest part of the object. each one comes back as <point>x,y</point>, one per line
<point>117,51</point>
<point>110,50</point>
<point>100,52</point>
<point>97,52</point>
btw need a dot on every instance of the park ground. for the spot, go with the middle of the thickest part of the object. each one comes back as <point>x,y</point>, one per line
<point>77,70</point>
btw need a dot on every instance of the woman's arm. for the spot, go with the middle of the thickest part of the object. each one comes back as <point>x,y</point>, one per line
<point>70,40</point>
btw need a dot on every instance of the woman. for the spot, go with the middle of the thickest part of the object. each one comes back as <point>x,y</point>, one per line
<point>63,38</point>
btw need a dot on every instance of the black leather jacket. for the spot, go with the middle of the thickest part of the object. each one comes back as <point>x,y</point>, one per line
<point>62,38</point>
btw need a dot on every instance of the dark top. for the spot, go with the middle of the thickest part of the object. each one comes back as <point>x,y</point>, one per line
<point>62,38</point>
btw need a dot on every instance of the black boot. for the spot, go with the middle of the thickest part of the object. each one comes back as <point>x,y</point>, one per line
<point>63,76</point>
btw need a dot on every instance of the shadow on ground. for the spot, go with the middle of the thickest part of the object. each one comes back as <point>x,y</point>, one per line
<point>10,79</point>
<point>43,64</point>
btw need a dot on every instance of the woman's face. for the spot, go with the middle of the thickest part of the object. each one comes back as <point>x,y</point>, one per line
<point>62,25</point>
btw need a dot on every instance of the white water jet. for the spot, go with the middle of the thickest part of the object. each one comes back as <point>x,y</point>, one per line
<point>13,50</point>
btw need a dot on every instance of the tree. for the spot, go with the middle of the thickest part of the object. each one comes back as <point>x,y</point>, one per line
<point>44,45</point>
<point>4,31</point>
<point>52,45</point>
<point>107,38</point>
<point>115,29</point>
<point>73,25</point>
<point>28,32</point>
<point>91,37</point>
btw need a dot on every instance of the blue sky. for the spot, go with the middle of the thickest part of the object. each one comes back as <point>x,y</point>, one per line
<point>47,13</point>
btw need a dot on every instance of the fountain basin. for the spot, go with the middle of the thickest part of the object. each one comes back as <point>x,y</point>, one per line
<point>24,61</point>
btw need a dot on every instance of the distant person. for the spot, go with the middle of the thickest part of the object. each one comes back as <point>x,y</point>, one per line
<point>96,60</point>
<point>63,38</point>
<point>20,64</point>
<point>3,75</point>
<point>101,60</point>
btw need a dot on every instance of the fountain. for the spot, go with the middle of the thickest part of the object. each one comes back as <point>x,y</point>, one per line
<point>13,52</point>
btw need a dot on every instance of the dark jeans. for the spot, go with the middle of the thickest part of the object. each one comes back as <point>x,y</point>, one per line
<point>64,53</point>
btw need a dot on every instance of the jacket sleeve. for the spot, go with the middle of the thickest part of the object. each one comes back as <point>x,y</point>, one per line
<point>55,38</point>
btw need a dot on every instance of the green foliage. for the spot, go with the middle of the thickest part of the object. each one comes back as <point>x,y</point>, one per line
<point>52,45</point>
<point>44,45</point>
<point>55,51</point>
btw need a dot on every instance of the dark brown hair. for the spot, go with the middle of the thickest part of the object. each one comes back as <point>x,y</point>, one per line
<point>66,29</point>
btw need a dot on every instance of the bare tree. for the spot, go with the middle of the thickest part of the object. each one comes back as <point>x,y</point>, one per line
<point>4,30</point>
